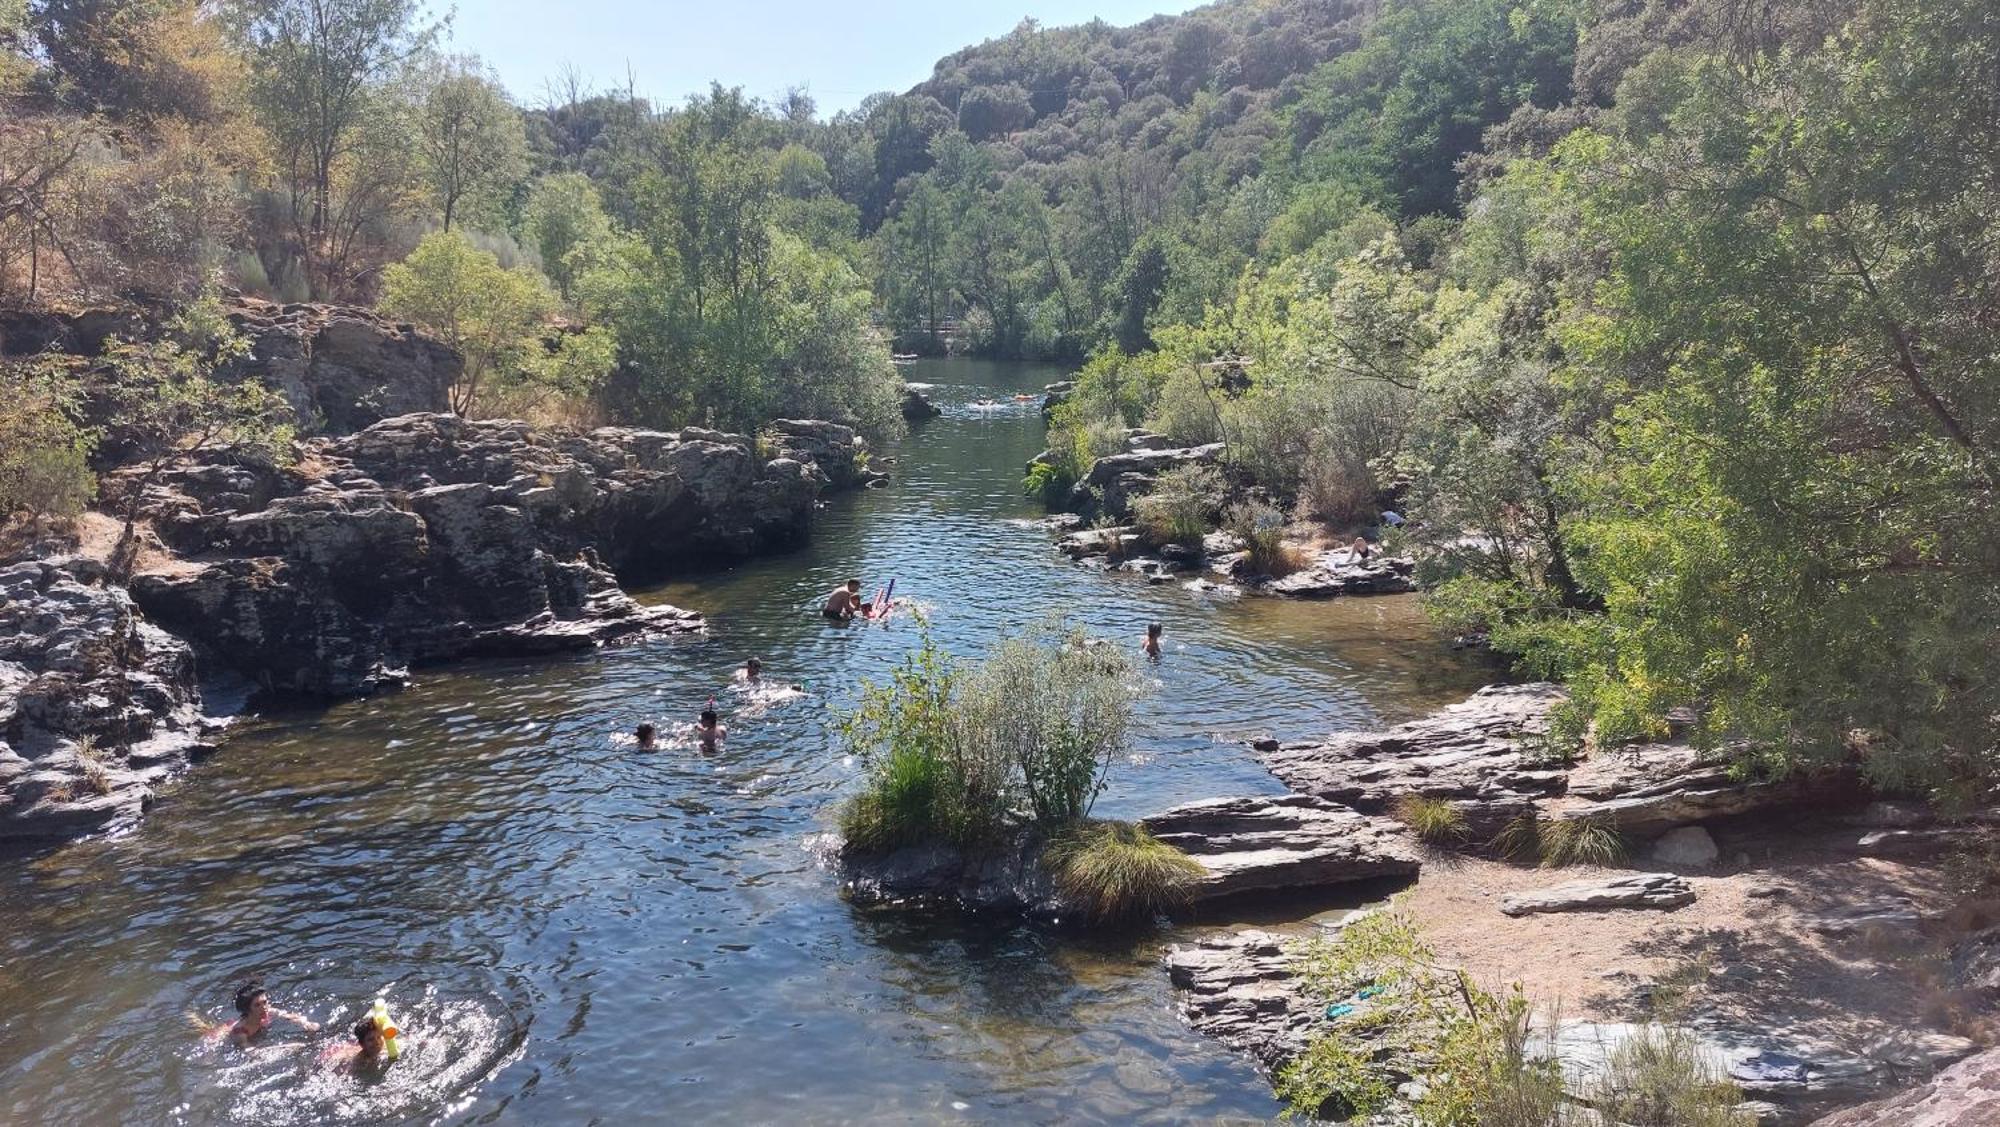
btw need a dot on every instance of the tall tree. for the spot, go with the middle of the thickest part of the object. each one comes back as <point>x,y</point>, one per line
<point>474,146</point>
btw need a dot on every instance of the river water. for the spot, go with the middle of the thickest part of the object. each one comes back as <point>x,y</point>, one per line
<point>570,930</point>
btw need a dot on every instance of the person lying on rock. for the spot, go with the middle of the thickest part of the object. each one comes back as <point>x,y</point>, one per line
<point>844,602</point>
<point>648,737</point>
<point>1152,643</point>
<point>708,731</point>
<point>255,1014</point>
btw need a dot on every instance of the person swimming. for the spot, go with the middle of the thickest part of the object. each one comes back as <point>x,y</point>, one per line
<point>1152,643</point>
<point>648,737</point>
<point>844,601</point>
<point>255,1014</point>
<point>708,731</point>
<point>751,671</point>
<point>370,1050</point>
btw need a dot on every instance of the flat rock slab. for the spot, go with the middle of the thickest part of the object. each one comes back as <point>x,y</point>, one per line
<point>1639,890</point>
<point>1484,751</point>
<point>1328,579</point>
<point>1646,789</point>
<point>1284,842</point>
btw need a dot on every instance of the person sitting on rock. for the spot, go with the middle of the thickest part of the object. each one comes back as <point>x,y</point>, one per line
<point>647,736</point>
<point>1152,643</point>
<point>753,669</point>
<point>255,1014</point>
<point>844,602</point>
<point>709,732</point>
<point>1361,549</point>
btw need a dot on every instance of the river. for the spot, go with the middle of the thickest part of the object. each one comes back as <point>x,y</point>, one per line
<point>571,930</point>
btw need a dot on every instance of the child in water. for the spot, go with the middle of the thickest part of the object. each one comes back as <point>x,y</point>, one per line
<point>368,1052</point>
<point>1152,643</point>
<point>647,736</point>
<point>709,732</point>
<point>255,1013</point>
<point>751,671</point>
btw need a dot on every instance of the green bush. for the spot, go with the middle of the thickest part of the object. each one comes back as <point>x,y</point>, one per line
<point>1056,708</point>
<point>1116,871</point>
<point>1047,483</point>
<point>1435,820</point>
<point>1184,412</point>
<point>1262,530</point>
<point>1181,505</point>
<point>1659,1077</point>
<point>44,448</point>
<point>1520,839</point>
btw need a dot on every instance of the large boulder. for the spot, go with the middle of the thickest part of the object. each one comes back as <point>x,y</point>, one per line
<point>1243,989</point>
<point>343,368</point>
<point>1647,789</point>
<point>1485,753</point>
<point>1115,481</point>
<point>1966,1094</point>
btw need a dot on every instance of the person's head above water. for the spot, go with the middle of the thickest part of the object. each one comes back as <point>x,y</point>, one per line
<point>368,1035</point>
<point>249,995</point>
<point>753,667</point>
<point>708,718</point>
<point>645,733</point>
<point>1153,630</point>
<point>854,585</point>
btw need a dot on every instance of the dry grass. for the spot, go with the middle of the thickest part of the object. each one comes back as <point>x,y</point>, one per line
<point>1434,820</point>
<point>1580,841</point>
<point>1117,872</point>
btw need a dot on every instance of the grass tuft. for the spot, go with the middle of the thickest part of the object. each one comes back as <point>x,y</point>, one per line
<point>1581,841</point>
<point>1520,839</point>
<point>1434,820</point>
<point>1116,871</point>
<point>898,808</point>
<point>1659,1077</point>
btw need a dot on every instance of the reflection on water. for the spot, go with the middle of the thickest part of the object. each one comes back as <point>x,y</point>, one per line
<point>568,927</point>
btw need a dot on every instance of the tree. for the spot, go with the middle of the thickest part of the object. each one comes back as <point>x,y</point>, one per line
<point>171,407</point>
<point>494,317</point>
<point>564,220</point>
<point>313,63</point>
<point>474,147</point>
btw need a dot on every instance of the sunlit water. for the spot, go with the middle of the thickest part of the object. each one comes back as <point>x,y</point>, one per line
<point>571,930</point>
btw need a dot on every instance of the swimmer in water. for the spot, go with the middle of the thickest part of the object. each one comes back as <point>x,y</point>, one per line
<point>647,735</point>
<point>843,601</point>
<point>255,1014</point>
<point>709,732</point>
<point>1152,643</point>
<point>368,1052</point>
<point>751,670</point>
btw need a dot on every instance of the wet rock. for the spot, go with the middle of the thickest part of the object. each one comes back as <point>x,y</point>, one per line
<point>1287,842</point>
<point>1152,570</point>
<point>1965,1094</point>
<point>1687,847</point>
<point>1242,989</point>
<point>1638,890</point>
<point>917,407</point>
<point>1085,543</point>
<point>1486,751</point>
<point>1009,879</point>
<point>97,705</point>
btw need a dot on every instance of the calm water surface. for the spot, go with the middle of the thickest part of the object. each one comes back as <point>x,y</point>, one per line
<point>573,931</point>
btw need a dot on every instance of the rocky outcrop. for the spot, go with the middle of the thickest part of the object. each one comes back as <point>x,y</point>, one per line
<point>835,450</point>
<point>1965,1094</point>
<point>1243,990</point>
<point>1114,482</point>
<point>1289,842</point>
<point>917,407</point>
<point>1009,879</point>
<point>1336,574</point>
<point>1634,890</point>
<point>342,368</point>
<point>429,537</point>
<point>1647,789</point>
<point>1055,395</point>
<point>1485,752</point>
<point>97,705</point>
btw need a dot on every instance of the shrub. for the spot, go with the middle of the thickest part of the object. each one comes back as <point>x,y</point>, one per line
<point>1184,412</point>
<point>44,448</point>
<point>1262,530</point>
<point>1181,504</point>
<point>1047,483</point>
<point>1581,841</point>
<point>1435,820</point>
<point>1520,839</point>
<point>1116,871</point>
<point>1057,709</point>
<point>1660,1077</point>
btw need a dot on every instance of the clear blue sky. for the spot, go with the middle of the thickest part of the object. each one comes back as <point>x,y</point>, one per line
<point>840,51</point>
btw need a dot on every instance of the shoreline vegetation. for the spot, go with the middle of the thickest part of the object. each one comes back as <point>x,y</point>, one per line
<point>1665,329</point>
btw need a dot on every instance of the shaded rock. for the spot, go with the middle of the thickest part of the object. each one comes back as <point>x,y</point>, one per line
<point>1964,1095</point>
<point>1485,751</point>
<point>1689,847</point>
<point>917,407</point>
<point>1975,962</point>
<point>1638,890</point>
<point>1910,842</point>
<point>1646,789</point>
<point>1008,879</point>
<point>1890,815</point>
<point>1885,913</point>
<point>1286,842</point>
<point>1056,394</point>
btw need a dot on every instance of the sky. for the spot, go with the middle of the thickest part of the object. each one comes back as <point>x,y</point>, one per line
<point>841,52</point>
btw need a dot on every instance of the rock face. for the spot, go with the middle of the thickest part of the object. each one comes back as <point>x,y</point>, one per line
<point>1964,1095</point>
<point>1115,481</point>
<point>1484,751</point>
<point>1243,990</point>
<point>1646,789</point>
<point>1055,395</point>
<point>918,407</point>
<point>1637,890</point>
<point>343,368</point>
<point>1289,842</point>
<point>97,705</point>
<point>1008,880</point>
<point>1336,575</point>
<point>428,537</point>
